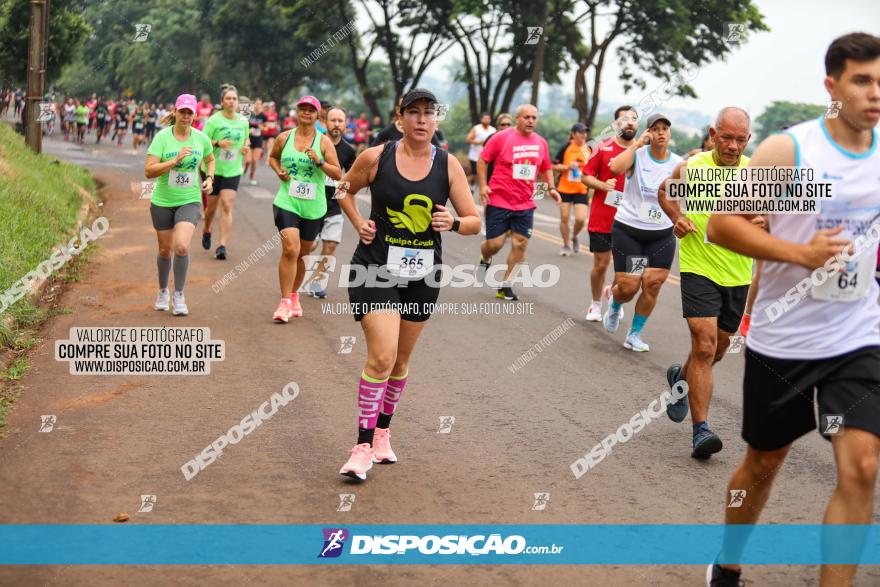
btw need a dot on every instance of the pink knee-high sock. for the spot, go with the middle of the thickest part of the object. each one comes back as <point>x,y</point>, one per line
<point>392,394</point>
<point>370,392</point>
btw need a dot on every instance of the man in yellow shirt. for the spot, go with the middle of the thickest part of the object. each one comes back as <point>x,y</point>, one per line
<point>714,282</point>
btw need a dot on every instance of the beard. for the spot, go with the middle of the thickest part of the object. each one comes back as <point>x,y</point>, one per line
<point>627,134</point>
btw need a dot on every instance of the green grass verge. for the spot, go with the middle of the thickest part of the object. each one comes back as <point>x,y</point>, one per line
<point>39,205</point>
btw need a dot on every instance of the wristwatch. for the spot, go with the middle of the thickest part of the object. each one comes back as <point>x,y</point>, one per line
<point>320,163</point>
<point>456,224</point>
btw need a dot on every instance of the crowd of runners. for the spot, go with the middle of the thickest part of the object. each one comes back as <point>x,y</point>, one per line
<point>823,350</point>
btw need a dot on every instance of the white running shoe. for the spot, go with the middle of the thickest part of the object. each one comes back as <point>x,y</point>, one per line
<point>611,320</point>
<point>162,300</point>
<point>178,304</point>
<point>594,312</point>
<point>635,343</point>
<point>565,251</point>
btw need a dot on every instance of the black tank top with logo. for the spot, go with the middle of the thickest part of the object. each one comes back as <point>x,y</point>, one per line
<point>402,212</point>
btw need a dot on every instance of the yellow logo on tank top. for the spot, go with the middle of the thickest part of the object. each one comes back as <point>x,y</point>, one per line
<point>414,217</point>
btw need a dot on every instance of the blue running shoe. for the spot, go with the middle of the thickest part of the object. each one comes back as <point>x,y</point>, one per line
<point>206,241</point>
<point>676,411</point>
<point>706,443</point>
<point>316,291</point>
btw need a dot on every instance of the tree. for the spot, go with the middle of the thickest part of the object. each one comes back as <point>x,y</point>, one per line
<point>255,47</point>
<point>494,32</point>
<point>781,114</point>
<point>411,38</point>
<point>68,30</point>
<point>194,46</point>
<point>663,38</point>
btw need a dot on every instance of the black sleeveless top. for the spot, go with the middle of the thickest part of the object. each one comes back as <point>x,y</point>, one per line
<point>402,208</point>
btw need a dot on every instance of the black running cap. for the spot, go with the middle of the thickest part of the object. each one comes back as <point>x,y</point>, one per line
<point>416,94</point>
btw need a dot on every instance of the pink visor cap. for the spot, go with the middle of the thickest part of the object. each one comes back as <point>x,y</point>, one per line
<point>186,101</point>
<point>311,101</point>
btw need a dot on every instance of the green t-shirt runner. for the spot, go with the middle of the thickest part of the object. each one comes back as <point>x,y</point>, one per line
<point>180,185</point>
<point>229,162</point>
<point>82,114</point>
<point>697,255</point>
<point>304,193</point>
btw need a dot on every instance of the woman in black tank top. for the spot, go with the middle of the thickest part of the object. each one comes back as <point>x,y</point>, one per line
<point>393,276</point>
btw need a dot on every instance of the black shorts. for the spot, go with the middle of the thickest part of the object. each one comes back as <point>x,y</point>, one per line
<point>137,131</point>
<point>600,242</point>
<point>628,242</point>
<point>308,229</point>
<point>574,198</point>
<point>256,142</point>
<point>414,302</point>
<point>165,218</point>
<point>703,298</point>
<point>473,168</point>
<point>500,220</point>
<point>778,396</point>
<point>225,183</point>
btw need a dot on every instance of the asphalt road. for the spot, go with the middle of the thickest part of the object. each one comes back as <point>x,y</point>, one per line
<point>515,432</point>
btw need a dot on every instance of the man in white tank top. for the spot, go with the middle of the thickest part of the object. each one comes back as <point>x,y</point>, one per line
<point>815,334</point>
<point>475,138</point>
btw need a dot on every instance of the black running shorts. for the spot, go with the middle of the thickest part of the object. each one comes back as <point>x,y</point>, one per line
<point>778,396</point>
<point>225,183</point>
<point>628,242</point>
<point>308,229</point>
<point>703,298</point>
<point>414,301</point>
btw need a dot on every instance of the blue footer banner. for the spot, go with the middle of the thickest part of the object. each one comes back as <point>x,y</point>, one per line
<point>524,544</point>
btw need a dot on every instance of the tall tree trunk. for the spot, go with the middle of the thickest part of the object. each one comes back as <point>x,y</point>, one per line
<point>580,91</point>
<point>538,69</point>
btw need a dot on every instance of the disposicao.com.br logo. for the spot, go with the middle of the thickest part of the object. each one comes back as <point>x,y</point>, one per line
<point>476,545</point>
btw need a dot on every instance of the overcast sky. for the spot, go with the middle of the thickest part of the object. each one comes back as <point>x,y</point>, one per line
<point>786,63</point>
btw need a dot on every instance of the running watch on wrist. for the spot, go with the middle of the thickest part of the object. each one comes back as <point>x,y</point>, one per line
<point>320,163</point>
<point>456,224</point>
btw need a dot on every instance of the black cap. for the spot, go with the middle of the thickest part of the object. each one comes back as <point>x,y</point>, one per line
<point>579,127</point>
<point>416,94</point>
<point>657,116</point>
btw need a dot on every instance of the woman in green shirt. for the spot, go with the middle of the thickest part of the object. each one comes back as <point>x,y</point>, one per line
<point>176,206</point>
<point>228,131</point>
<point>138,124</point>
<point>82,121</point>
<point>300,157</point>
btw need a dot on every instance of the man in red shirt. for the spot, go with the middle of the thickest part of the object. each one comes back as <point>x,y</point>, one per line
<point>608,191</point>
<point>518,154</point>
<point>361,132</point>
